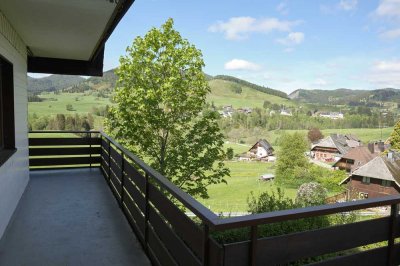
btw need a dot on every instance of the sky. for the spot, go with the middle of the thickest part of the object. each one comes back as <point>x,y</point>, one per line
<point>285,45</point>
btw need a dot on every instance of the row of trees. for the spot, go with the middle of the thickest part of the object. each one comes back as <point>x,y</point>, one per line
<point>61,122</point>
<point>263,119</point>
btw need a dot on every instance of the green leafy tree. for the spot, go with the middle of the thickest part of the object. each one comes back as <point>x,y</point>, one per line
<point>229,153</point>
<point>395,137</point>
<point>159,115</point>
<point>310,194</point>
<point>60,118</point>
<point>291,157</point>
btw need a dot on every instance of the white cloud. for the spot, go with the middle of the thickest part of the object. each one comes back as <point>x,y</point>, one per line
<point>320,82</point>
<point>293,38</point>
<point>385,74</point>
<point>391,34</point>
<point>283,8</point>
<point>348,5</point>
<point>240,64</point>
<point>238,28</point>
<point>389,9</point>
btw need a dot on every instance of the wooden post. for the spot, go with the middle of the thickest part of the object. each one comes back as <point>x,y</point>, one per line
<point>253,245</point>
<point>394,213</point>
<point>146,214</point>
<point>122,180</point>
<point>206,244</point>
<point>109,162</point>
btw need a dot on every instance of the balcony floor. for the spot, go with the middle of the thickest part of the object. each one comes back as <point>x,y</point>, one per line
<point>69,217</point>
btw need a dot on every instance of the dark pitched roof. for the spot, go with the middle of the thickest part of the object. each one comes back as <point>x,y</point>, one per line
<point>361,155</point>
<point>263,143</point>
<point>343,143</point>
<point>382,168</point>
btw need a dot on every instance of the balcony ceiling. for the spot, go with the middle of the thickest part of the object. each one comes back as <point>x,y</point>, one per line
<point>65,29</point>
<point>58,28</point>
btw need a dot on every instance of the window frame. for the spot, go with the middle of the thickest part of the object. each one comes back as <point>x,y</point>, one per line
<point>7,116</point>
<point>366,180</point>
<point>386,183</point>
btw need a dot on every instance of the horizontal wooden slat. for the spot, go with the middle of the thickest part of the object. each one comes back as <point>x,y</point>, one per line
<point>135,194</point>
<point>63,141</point>
<point>372,257</point>
<point>136,214</point>
<point>64,151</point>
<point>116,156</point>
<point>134,175</point>
<point>134,225</point>
<point>116,182</point>
<point>63,161</point>
<point>104,144</point>
<point>114,187</point>
<point>178,249</point>
<point>116,170</point>
<point>292,247</point>
<point>182,224</point>
<point>159,250</point>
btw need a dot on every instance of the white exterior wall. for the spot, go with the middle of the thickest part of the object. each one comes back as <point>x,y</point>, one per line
<point>261,152</point>
<point>14,173</point>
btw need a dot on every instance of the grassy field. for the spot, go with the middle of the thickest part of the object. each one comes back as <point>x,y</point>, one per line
<point>56,104</point>
<point>222,94</point>
<point>232,197</point>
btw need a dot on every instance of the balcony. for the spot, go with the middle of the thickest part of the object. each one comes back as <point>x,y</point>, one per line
<point>87,215</point>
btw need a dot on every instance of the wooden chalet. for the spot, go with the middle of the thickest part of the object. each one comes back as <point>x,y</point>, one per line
<point>377,178</point>
<point>261,149</point>
<point>333,147</point>
<point>355,158</point>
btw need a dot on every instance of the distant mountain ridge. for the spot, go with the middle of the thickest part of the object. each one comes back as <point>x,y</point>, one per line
<point>52,83</point>
<point>345,96</point>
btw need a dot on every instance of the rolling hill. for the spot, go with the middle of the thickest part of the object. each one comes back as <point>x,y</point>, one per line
<point>345,96</point>
<point>225,90</point>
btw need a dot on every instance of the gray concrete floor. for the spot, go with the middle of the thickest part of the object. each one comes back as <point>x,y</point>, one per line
<point>69,217</point>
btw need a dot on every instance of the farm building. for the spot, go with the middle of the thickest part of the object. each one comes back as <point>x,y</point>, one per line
<point>356,157</point>
<point>262,149</point>
<point>333,147</point>
<point>377,178</point>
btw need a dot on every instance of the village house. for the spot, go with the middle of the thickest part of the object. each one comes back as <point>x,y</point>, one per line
<point>377,178</point>
<point>333,147</point>
<point>357,157</point>
<point>332,115</point>
<point>245,110</point>
<point>262,149</point>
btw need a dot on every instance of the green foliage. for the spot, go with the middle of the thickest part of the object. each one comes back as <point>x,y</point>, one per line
<point>229,153</point>
<point>291,158</point>
<point>395,137</point>
<point>310,194</point>
<point>236,88</point>
<point>159,112</point>
<point>69,107</point>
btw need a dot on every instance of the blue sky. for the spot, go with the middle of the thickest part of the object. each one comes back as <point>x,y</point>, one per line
<point>284,44</point>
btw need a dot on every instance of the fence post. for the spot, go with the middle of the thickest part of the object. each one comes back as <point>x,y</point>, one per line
<point>122,180</point>
<point>146,214</point>
<point>253,245</point>
<point>90,149</point>
<point>109,162</point>
<point>394,213</point>
<point>206,244</point>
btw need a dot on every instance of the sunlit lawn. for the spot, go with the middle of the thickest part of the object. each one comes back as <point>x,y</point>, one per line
<point>232,197</point>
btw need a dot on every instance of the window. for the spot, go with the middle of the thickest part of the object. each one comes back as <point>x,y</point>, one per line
<point>7,126</point>
<point>366,179</point>
<point>386,183</point>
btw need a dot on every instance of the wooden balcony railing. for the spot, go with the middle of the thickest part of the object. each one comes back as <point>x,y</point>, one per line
<point>169,237</point>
